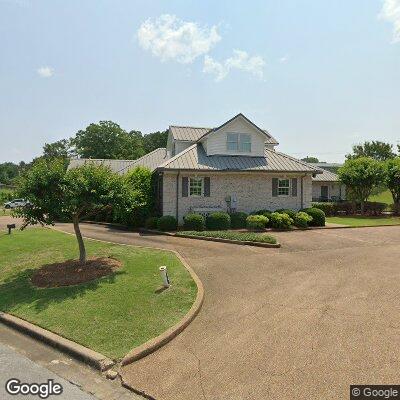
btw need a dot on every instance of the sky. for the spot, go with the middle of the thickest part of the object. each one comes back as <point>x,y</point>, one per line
<point>319,75</point>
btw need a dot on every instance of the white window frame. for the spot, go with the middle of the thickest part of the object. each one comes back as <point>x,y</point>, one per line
<point>197,178</point>
<point>241,142</point>
<point>288,187</point>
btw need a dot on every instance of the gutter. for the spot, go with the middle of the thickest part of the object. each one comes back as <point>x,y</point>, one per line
<point>177,194</point>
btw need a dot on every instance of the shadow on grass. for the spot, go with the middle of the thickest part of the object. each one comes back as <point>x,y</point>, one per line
<point>18,290</point>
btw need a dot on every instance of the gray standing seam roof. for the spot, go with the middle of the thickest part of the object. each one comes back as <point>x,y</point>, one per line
<point>193,134</point>
<point>195,158</point>
<point>326,176</point>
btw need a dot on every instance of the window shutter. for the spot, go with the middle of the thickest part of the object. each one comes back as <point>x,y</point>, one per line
<point>294,187</point>
<point>275,187</point>
<point>185,184</point>
<point>207,186</point>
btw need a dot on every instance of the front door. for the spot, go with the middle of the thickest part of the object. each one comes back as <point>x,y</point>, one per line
<point>324,192</point>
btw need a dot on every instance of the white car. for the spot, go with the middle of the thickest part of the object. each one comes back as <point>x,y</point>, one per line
<point>16,203</point>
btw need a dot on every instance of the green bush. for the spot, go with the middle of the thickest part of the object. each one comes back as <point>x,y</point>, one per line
<point>302,219</point>
<point>281,221</point>
<point>167,223</point>
<point>291,213</point>
<point>374,208</point>
<point>256,221</point>
<point>241,236</point>
<point>317,215</point>
<point>266,213</point>
<point>218,221</point>
<point>194,222</point>
<point>238,220</point>
<point>151,223</point>
<point>328,208</point>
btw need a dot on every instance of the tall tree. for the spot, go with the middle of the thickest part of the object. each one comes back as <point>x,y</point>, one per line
<point>8,172</point>
<point>309,159</point>
<point>361,175</point>
<point>154,140</point>
<point>108,140</point>
<point>393,181</point>
<point>376,149</point>
<point>61,148</point>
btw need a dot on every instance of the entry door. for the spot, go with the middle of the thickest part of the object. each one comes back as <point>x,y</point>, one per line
<point>324,192</point>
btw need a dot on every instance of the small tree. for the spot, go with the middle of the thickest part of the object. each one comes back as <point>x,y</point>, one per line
<point>361,175</point>
<point>392,168</point>
<point>75,194</point>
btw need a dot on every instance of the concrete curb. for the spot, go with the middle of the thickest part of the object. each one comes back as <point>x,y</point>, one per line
<point>91,357</point>
<point>153,344</point>
<point>211,239</point>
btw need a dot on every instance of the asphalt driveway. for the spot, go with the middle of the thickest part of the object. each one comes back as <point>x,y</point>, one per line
<point>301,322</point>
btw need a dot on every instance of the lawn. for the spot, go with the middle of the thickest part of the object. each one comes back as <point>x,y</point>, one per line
<point>364,221</point>
<point>384,197</point>
<point>241,236</point>
<point>111,315</point>
<point>4,212</point>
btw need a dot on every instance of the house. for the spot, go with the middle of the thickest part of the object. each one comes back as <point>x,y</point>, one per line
<point>233,167</point>
<point>326,186</point>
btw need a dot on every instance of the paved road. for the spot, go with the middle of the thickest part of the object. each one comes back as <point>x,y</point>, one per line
<point>14,365</point>
<point>301,322</point>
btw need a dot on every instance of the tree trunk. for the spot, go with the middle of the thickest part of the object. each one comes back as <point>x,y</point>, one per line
<point>362,207</point>
<point>82,250</point>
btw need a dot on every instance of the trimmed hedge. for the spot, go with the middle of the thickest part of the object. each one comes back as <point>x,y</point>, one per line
<point>302,219</point>
<point>194,222</point>
<point>167,223</point>
<point>281,221</point>
<point>291,213</point>
<point>266,213</point>
<point>151,223</point>
<point>350,208</point>
<point>241,236</point>
<point>318,216</point>
<point>218,221</point>
<point>328,208</point>
<point>238,220</point>
<point>256,222</point>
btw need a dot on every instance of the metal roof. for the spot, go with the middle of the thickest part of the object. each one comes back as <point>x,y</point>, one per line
<point>151,160</point>
<point>195,158</point>
<point>326,176</point>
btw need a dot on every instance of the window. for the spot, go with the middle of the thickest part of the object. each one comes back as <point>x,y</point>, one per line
<point>283,187</point>
<point>240,142</point>
<point>195,186</point>
<point>232,141</point>
<point>245,142</point>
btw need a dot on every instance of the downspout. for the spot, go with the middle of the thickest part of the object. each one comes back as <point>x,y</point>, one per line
<point>177,195</point>
<point>302,191</point>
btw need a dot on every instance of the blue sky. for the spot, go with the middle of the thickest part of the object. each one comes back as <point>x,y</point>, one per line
<point>320,75</point>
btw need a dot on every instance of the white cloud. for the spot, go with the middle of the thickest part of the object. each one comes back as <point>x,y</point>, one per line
<point>391,12</point>
<point>170,38</point>
<point>284,59</point>
<point>240,60</point>
<point>45,72</point>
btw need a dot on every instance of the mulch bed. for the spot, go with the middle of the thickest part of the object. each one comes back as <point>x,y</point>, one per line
<point>72,272</point>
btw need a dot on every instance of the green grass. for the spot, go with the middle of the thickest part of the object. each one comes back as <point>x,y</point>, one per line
<point>364,221</point>
<point>242,236</point>
<point>111,315</point>
<point>4,212</point>
<point>384,197</point>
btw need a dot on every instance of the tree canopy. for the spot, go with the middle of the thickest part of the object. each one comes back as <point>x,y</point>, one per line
<point>310,159</point>
<point>392,169</point>
<point>376,149</point>
<point>8,172</point>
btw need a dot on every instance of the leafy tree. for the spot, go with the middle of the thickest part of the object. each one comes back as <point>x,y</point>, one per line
<point>309,159</point>
<point>8,172</point>
<point>361,175</point>
<point>154,140</point>
<point>108,140</point>
<point>392,168</point>
<point>61,148</point>
<point>75,194</point>
<point>377,150</point>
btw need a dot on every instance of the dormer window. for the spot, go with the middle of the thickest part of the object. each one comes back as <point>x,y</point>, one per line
<point>240,142</point>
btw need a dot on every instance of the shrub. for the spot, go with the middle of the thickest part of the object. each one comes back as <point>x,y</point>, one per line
<point>238,220</point>
<point>281,221</point>
<point>266,213</point>
<point>241,236</point>
<point>328,208</point>
<point>318,216</point>
<point>374,207</point>
<point>151,223</point>
<point>346,207</point>
<point>218,221</point>
<point>291,213</point>
<point>302,219</point>
<point>256,222</point>
<point>395,208</point>
<point>167,223</point>
<point>194,222</point>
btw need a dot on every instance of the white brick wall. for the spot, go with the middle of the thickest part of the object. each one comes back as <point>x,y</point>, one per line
<point>253,192</point>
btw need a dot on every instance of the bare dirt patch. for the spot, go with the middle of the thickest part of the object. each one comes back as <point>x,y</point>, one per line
<point>72,272</point>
